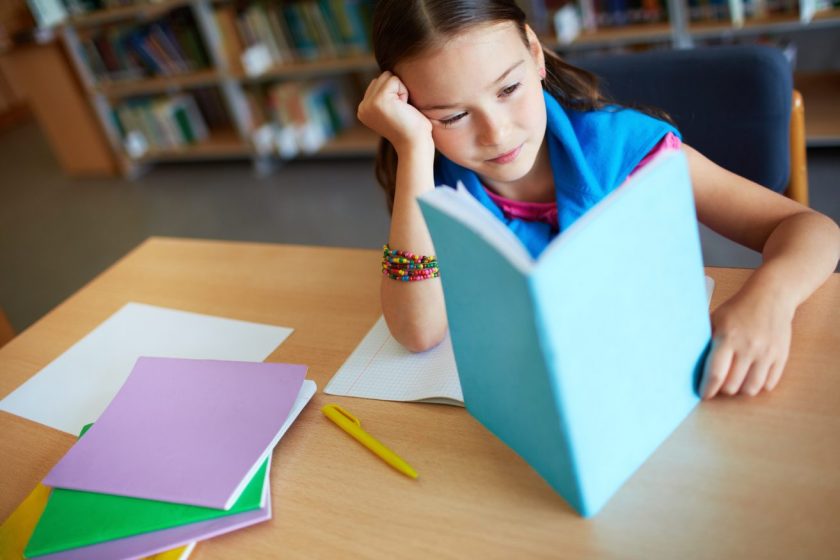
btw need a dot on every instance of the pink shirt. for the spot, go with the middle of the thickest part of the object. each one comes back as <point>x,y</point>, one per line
<point>547,211</point>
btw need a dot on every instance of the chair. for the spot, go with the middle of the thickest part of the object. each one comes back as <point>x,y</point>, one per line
<point>735,104</point>
<point>7,333</point>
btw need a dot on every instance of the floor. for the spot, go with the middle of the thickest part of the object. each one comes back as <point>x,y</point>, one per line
<point>57,233</point>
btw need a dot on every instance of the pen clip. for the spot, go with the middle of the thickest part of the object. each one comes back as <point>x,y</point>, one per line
<point>344,413</point>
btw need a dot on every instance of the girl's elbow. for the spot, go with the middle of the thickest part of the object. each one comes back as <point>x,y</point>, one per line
<point>421,340</point>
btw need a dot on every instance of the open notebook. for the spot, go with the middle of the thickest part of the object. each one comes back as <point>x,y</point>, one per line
<point>381,368</point>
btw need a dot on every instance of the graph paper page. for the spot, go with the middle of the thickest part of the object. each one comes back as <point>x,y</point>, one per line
<point>381,368</point>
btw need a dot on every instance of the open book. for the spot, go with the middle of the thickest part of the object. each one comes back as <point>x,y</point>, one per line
<point>381,368</point>
<point>586,359</point>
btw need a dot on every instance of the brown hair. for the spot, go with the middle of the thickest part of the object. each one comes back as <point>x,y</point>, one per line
<point>405,28</point>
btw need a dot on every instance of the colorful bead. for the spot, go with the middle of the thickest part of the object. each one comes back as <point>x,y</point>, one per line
<point>408,267</point>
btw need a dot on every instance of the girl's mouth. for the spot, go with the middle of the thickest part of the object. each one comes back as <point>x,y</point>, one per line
<point>507,157</point>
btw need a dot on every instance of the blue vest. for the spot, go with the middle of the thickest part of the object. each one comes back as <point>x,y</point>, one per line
<point>592,153</point>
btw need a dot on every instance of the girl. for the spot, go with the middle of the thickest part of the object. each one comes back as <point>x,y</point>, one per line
<point>468,93</point>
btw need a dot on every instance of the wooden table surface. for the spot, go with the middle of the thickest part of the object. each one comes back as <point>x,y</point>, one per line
<point>740,478</point>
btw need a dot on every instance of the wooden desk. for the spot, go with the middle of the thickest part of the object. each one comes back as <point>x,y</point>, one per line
<point>741,478</point>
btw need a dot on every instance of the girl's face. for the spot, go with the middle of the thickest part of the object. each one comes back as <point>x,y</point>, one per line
<point>481,90</point>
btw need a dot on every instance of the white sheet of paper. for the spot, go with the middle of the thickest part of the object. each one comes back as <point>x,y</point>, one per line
<point>710,289</point>
<point>381,368</point>
<point>75,388</point>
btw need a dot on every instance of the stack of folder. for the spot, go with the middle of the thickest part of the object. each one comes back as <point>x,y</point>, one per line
<point>181,454</point>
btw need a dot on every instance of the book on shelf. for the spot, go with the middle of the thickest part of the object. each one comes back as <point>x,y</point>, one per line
<point>261,28</point>
<point>160,123</point>
<point>272,34</point>
<point>212,106</point>
<point>302,35</point>
<point>809,8</point>
<point>584,360</point>
<point>47,13</point>
<point>595,14</point>
<point>232,46</point>
<point>295,117</point>
<point>169,46</point>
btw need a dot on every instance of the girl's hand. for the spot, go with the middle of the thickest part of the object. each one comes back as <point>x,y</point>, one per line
<point>751,340</point>
<point>386,111</point>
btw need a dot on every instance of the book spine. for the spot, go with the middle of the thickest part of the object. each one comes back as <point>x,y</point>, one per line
<point>281,34</point>
<point>161,111</point>
<point>330,21</point>
<point>181,119</point>
<point>194,118</point>
<point>319,29</point>
<point>262,29</point>
<point>94,60</point>
<point>156,52</point>
<point>304,44</point>
<point>169,49</point>
<point>246,33</point>
<point>225,17</point>
<point>210,104</point>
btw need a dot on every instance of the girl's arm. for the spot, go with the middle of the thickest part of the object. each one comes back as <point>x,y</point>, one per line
<point>752,330</point>
<point>414,311</point>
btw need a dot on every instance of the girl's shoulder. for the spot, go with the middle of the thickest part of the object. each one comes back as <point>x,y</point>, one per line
<point>616,119</point>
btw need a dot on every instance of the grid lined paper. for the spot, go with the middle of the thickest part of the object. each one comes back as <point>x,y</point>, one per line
<point>381,368</point>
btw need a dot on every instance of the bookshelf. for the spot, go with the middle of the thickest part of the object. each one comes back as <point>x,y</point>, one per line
<point>138,59</point>
<point>223,144</point>
<point>677,27</point>
<point>126,88</point>
<point>139,12</point>
<point>683,24</point>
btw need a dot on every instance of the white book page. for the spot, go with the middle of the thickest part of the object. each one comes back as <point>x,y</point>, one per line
<point>76,387</point>
<point>381,368</point>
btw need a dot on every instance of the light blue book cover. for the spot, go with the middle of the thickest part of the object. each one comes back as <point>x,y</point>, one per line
<point>585,360</point>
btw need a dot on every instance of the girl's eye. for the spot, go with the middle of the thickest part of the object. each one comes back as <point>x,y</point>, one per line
<point>452,120</point>
<point>510,89</point>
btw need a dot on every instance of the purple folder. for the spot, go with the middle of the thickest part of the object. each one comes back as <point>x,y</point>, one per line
<point>184,431</point>
<point>141,546</point>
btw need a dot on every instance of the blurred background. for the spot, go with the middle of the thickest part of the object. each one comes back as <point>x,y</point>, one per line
<point>235,119</point>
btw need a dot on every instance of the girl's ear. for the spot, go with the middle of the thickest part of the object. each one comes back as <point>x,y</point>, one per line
<point>535,47</point>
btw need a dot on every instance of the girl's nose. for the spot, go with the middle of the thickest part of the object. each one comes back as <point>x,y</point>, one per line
<point>493,130</point>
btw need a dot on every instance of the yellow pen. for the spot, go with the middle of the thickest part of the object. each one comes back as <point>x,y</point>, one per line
<point>352,426</point>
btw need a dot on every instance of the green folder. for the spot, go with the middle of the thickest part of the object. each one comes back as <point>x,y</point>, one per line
<point>73,518</point>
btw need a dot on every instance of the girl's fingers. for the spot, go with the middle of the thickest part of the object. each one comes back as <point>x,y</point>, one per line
<point>384,88</point>
<point>377,84</point>
<point>775,374</point>
<point>737,374</point>
<point>717,366</point>
<point>402,92</point>
<point>394,86</point>
<point>756,377</point>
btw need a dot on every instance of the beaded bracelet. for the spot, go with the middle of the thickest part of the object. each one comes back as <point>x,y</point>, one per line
<point>406,266</point>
